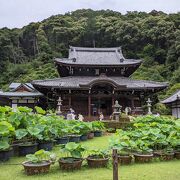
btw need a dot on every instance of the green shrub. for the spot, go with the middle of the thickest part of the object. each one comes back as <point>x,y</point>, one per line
<point>161,109</point>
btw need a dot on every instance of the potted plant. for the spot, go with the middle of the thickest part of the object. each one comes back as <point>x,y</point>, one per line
<point>85,128</point>
<point>90,134</point>
<point>28,138</point>
<point>165,154</point>
<point>98,127</point>
<point>74,132</point>
<point>6,132</point>
<point>143,153</point>
<point>124,157</point>
<point>5,150</point>
<point>177,152</point>
<point>46,141</point>
<point>98,158</point>
<point>125,152</point>
<point>61,133</point>
<point>124,147</point>
<point>38,163</point>
<point>175,143</point>
<point>46,133</point>
<point>73,159</point>
<point>159,144</point>
<point>177,149</point>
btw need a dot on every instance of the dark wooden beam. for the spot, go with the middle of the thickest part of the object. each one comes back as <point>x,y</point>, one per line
<point>69,98</point>
<point>89,105</point>
<point>132,103</point>
<point>113,100</point>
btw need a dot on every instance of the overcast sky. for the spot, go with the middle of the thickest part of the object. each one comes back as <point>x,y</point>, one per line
<point>18,13</point>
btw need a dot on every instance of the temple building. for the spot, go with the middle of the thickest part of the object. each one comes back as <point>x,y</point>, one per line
<point>173,102</point>
<point>91,79</point>
<point>20,95</point>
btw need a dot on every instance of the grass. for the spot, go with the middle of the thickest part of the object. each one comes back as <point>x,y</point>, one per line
<point>155,170</point>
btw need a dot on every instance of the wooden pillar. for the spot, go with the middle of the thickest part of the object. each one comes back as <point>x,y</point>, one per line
<point>69,99</point>
<point>89,104</point>
<point>115,164</point>
<point>132,103</point>
<point>112,100</point>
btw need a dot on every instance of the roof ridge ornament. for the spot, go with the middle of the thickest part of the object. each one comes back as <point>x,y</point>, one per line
<point>119,55</point>
<point>178,97</point>
<point>75,54</point>
<point>74,59</point>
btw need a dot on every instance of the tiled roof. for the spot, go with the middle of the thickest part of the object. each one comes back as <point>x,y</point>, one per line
<point>96,56</point>
<point>14,86</point>
<point>20,94</point>
<point>172,98</point>
<point>79,81</point>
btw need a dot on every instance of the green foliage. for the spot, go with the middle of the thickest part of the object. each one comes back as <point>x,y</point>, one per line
<point>98,126</point>
<point>39,156</point>
<point>21,133</point>
<point>4,145</point>
<point>85,127</point>
<point>176,76</point>
<point>170,91</point>
<point>148,133</point>
<point>161,109</point>
<point>100,153</point>
<point>6,129</point>
<point>73,149</point>
<point>24,109</point>
<point>5,109</point>
<point>6,133</point>
<point>26,126</point>
<point>39,110</point>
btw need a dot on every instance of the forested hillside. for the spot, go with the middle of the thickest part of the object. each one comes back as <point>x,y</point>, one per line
<point>27,53</point>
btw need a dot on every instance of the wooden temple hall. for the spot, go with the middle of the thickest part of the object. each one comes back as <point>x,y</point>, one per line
<point>91,79</point>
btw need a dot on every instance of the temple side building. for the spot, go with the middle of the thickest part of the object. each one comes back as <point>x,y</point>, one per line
<point>173,102</point>
<point>91,79</point>
<point>20,95</point>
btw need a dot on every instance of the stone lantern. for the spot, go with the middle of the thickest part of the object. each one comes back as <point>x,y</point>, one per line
<point>116,111</point>
<point>149,105</point>
<point>59,105</point>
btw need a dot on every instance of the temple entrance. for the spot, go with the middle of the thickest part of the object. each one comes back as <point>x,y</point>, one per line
<point>101,99</point>
<point>101,104</point>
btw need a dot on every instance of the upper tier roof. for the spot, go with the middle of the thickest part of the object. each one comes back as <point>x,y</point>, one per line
<point>172,98</point>
<point>96,56</point>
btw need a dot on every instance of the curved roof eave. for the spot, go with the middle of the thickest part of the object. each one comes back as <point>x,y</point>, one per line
<point>173,98</point>
<point>61,83</point>
<point>20,94</point>
<point>58,62</point>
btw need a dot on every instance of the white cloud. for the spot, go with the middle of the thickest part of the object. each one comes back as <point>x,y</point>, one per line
<point>17,13</point>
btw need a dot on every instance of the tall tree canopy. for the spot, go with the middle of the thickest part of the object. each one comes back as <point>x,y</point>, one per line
<point>27,53</point>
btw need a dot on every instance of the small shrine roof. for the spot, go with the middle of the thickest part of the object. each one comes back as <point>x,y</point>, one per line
<point>172,98</point>
<point>29,91</point>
